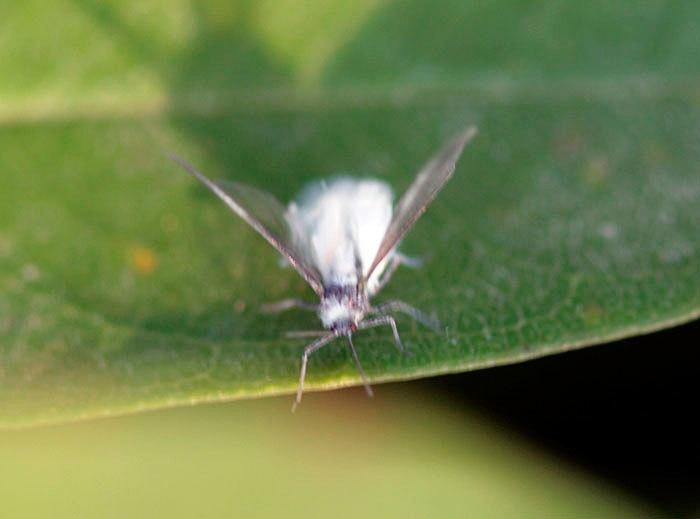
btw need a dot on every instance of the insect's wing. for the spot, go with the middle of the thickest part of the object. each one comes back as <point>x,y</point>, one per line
<point>264,214</point>
<point>425,187</point>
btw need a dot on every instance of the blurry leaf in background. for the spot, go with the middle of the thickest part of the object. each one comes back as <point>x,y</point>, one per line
<point>396,456</point>
<point>572,220</point>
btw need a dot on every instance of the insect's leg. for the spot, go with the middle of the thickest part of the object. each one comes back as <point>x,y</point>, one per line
<point>317,344</point>
<point>414,313</point>
<point>365,382</point>
<point>381,321</point>
<point>386,275</point>
<point>305,334</point>
<point>287,304</point>
<point>398,260</point>
<point>409,261</point>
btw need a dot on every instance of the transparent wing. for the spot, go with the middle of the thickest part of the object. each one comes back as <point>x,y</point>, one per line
<point>425,187</point>
<point>263,213</point>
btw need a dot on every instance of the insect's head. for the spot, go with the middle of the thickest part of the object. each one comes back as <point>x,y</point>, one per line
<point>342,309</point>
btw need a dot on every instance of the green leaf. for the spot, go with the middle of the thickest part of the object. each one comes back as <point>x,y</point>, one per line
<point>572,218</point>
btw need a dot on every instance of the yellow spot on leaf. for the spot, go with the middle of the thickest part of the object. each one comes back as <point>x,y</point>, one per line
<point>143,260</point>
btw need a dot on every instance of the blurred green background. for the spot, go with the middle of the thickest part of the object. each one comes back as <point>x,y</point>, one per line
<point>573,220</point>
<point>396,456</point>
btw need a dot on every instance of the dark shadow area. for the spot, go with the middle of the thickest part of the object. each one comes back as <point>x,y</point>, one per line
<point>626,411</point>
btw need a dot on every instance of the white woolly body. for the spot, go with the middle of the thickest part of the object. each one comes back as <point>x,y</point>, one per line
<point>340,225</point>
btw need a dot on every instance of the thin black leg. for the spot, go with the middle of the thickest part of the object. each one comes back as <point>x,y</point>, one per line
<point>317,344</point>
<point>382,321</point>
<point>405,308</point>
<point>365,382</point>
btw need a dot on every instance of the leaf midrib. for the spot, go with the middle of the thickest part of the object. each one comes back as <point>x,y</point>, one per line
<point>218,102</point>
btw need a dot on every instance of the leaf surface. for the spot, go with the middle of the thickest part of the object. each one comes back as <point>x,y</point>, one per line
<point>571,220</point>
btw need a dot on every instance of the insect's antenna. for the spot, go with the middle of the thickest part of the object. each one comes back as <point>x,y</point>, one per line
<point>365,382</point>
<point>317,344</point>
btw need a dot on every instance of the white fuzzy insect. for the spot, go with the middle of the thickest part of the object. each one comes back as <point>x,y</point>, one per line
<point>342,237</point>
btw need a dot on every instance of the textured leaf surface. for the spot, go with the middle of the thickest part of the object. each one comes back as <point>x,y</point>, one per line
<point>572,219</point>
